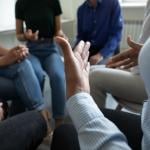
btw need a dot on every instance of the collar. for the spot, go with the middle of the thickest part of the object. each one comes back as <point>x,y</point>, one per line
<point>89,4</point>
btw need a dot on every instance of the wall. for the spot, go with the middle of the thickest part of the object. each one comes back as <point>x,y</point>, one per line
<point>133,18</point>
<point>7,15</point>
<point>70,7</point>
<point>69,24</point>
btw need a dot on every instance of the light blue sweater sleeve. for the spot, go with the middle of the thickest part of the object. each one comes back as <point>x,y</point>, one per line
<point>94,130</point>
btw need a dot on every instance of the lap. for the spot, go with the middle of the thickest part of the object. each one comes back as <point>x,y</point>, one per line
<point>119,83</point>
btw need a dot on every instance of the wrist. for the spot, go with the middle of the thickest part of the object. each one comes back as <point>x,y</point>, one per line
<point>75,90</point>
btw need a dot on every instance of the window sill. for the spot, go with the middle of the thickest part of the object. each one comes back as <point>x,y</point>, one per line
<point>133,4</point>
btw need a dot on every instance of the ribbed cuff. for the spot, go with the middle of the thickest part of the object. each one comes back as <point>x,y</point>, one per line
<point>80,107</point>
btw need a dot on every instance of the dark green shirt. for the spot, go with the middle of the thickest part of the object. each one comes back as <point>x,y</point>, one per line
<point>39,15</point>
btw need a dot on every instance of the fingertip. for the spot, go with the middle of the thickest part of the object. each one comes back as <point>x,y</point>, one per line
<point>88,43</point>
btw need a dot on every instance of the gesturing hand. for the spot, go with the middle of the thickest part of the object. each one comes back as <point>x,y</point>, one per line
<point>29,35</point>
<point>76,66</point>
<point>127,58</point>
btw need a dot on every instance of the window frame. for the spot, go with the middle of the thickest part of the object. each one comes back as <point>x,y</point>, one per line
<point>133,1</point>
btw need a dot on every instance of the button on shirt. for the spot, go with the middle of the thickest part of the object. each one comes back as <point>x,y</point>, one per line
<point>102,26</point>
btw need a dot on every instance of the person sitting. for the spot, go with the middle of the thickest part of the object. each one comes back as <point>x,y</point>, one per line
<point>101,23</point>
<point>43,23</point>
<point>121,77</point>
<point>15,66</point>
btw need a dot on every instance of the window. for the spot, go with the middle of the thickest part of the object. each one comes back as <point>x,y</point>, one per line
<point>133,1</point>
<point>7,15</point>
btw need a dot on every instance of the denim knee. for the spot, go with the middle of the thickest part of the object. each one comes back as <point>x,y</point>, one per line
<point>23,64</point>
<point>28,86</point>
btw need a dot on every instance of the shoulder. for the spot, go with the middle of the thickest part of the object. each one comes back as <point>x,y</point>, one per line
<point>111,3</point>
<point>21,3</point>
<point>55,2</point>
<point>82,6</point>
<point>55,5</point>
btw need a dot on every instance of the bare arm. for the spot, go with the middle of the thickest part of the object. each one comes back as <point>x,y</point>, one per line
<point>3,51</point>
<point>58,28</point>
<point>19,30</point>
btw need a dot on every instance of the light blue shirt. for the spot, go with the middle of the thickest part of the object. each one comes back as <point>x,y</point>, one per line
<point>94,130</point>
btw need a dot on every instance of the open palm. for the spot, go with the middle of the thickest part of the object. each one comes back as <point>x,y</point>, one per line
<point>76,66</point>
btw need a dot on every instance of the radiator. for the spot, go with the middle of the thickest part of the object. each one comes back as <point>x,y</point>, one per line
<point>132,28</point>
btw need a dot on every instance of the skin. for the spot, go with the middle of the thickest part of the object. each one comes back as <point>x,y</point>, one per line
<point>95,59</point>
<point>76,66</point>
<point>13,55</point>
<point>33,36</point>
<point>128,58</point>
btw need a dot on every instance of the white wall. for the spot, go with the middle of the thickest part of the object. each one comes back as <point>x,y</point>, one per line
<point>133,13</point>
<point>69,12</point>
<point>70,7</point>
<point>7,19</point>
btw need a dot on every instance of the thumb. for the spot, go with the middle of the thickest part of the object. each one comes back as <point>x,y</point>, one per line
<point>66,47</point>
<point>37,32</point>
<point>133,44</point>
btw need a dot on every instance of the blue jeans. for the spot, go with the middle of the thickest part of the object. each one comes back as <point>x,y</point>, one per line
<point>26,83</point>
<point>45,56</point>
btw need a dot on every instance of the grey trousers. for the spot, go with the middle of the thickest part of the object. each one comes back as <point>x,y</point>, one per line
<point>122,84</point>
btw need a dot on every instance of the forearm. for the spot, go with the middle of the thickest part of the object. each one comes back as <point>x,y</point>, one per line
<point>3,51</point>
<point>21,37</point>
<point>59,32</point>
<point>2,62</point>
<point>58,28</point>
<point>20,30</point>
<point>94,130</point>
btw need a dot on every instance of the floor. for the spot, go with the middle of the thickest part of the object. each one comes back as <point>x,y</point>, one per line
<point>110,103</point>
